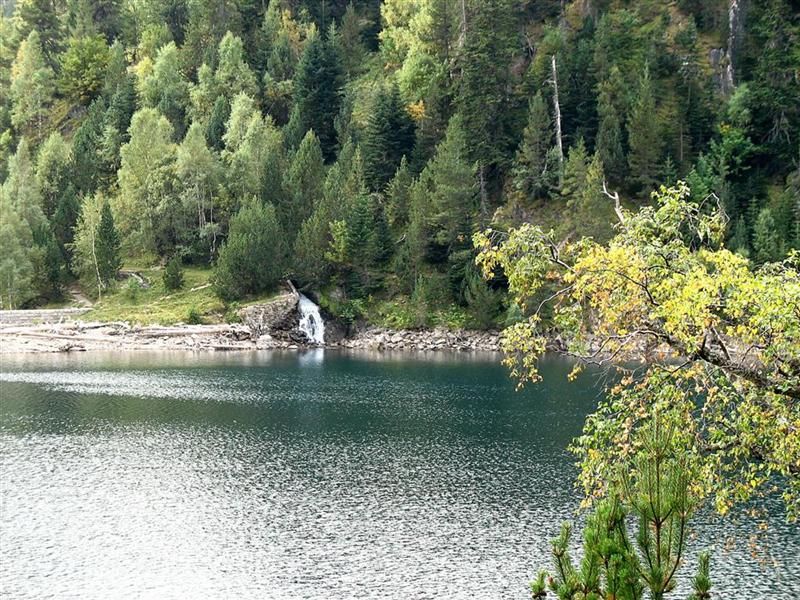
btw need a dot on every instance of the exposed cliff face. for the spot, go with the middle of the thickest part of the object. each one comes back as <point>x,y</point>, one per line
<point>723,61</point>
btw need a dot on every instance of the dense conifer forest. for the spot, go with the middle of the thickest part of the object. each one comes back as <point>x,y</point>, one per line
<point>357,147</point>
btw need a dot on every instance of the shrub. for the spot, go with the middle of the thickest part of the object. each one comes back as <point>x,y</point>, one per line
<point>193,317</point>
<point>252,259</point>
<point>131,290</point>
<point>173,274</point>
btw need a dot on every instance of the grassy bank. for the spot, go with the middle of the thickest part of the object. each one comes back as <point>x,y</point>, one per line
<point>152,303</point>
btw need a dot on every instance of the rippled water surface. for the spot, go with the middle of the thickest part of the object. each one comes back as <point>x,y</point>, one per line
<point>304,476</point>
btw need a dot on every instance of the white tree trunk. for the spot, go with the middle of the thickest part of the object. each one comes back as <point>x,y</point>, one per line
<point>557,113</point>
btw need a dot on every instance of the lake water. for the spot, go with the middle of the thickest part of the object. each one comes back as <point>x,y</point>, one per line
<point>316,475</point>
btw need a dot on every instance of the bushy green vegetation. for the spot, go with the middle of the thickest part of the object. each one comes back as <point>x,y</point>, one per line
<point>384,134</point>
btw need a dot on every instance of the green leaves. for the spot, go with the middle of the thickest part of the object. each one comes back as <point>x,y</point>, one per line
<point>664,286</point>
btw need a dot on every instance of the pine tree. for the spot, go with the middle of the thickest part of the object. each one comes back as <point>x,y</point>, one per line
<point>575,170</point>
<point>251,260</point>
<point>32,86</point>
<point>64,221</point>
<point>644,156</point>
<point>534,174</point>
<point>443,202</point>
<point>343,183</point>
<point>397,196</point>
<point>42,16</point>
<point>215,130</point>
<point>121,106</point>
<point>86,148</point>
<point>107,247</point>
<point>317,89</point>
<point>609,141</point>
<point>591,209</point>
<point>304,185</point>
<point>389,136</point>
<point>489,42</point>
<point>766,242</point>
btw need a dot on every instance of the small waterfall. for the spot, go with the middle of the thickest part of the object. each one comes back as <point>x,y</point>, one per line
<point>311,323</point>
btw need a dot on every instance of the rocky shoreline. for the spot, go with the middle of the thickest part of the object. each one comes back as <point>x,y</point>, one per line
<point>78,336</point>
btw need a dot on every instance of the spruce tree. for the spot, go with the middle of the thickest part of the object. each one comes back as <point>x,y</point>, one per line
<point>443,202</point>
<point>86,148</point>
<point>575,170</point>
<point>489,43</point>
<point>534,173</point>
<point>644,139</point>
<point>609,141</point>
<point>42,16</point>
<point>107,247</point>
<point>389,136</point>
<point>215,130</point>
<point>304,185</point>
<point>397,197</point>
<point>766,242</point>
<point>317,90</point>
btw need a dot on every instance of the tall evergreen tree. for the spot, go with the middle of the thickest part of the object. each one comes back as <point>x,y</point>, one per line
<point>42,16</point>
<point>610,138</point>
<point>215,130</point>
<point>86,148</point>
<point>443,202</point>
<point>644,139</point>
<point>107,248</point>
<point>317,89</point>
<point>534,171</point>
<point>389,136</point>
<point>766,242</point>
<point>304,185</point>
<point>489,44</point>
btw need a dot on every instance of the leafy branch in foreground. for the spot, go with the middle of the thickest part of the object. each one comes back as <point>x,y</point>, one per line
<point>656,489</point>
<point>665,286</point>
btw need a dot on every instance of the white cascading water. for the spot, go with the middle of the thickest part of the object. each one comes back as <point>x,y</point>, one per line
<point>311,323</point>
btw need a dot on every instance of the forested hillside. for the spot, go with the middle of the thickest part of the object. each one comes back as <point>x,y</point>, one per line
<point>357,147</point>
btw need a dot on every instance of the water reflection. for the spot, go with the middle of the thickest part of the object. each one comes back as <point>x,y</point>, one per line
<point>270,475</point>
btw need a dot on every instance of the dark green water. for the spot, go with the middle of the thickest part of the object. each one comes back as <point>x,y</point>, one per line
<point>303,476</point>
